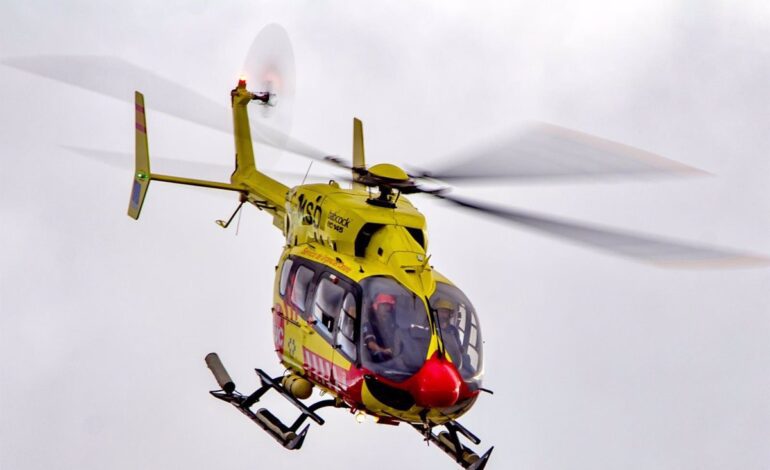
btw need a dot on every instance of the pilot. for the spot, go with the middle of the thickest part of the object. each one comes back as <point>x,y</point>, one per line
<point>450,334</point>
<point>379,332</point>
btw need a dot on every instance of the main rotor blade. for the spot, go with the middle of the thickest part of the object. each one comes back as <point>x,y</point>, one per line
<point>125,161</point>
<point>658,251</point>
<point>119,79</point>
<point>545,151</point>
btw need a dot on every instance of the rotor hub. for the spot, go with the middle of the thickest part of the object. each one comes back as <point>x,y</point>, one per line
<point>388,171</point>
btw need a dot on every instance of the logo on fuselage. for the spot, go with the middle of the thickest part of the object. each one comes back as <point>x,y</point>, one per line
<point>336,222</point>
<point>312,210</point>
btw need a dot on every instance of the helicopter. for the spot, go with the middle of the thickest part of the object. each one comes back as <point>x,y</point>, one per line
<point>349,251</point>
<point>359,312</point>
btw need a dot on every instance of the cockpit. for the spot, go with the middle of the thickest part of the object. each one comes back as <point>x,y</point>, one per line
<point>396,332</point>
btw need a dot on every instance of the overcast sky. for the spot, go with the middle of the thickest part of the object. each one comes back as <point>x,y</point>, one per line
<point>597,362</point>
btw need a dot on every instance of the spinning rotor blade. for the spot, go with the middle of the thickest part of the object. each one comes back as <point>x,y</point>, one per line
<point>545,151</point>
<point>125,161</point>
<point>657,251</point>
<point>119,79</point>
<point>269,66</point>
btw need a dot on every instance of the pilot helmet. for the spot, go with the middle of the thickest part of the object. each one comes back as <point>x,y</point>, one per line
<point>383,299</point>
<point>445,304</point>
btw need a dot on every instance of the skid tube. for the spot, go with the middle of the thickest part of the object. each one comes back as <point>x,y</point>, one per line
<point>287,436</point>
<point>449,442</point>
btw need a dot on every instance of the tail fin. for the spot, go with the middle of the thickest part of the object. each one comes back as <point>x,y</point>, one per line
<point>359,162</point>
<point>142,170</point>
<point>258,188</point>
<point>245,168</point>
<point>142,175</point>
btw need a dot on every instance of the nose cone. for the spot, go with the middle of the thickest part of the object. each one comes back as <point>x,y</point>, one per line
<point>437,384</point>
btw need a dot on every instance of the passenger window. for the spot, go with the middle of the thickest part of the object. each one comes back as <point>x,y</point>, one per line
<point>326,307</point>
<point>285,276</point>
<point>300,288</point>
<point>347,329</point>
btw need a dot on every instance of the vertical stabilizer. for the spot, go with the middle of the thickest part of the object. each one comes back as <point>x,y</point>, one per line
<point>359,162</point>
<point>142,164</point>
<point>270,194</point>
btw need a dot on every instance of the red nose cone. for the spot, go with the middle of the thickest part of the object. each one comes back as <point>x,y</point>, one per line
<point>437,384</point>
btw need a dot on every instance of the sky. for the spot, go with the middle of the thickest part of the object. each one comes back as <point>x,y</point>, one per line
<point>596,361</point>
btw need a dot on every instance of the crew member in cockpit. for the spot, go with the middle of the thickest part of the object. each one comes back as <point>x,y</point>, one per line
<point>450,335</point>
<point>379,332</point>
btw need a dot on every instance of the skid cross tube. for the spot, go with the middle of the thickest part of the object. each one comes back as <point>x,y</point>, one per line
<point>268,382</point>
<point>287,436</point>
<point>461,454</point>
<point>465,432</point>
<point>315,406</point>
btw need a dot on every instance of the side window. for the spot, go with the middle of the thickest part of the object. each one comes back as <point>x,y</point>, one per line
<point>346,334</point>
<point>299,289</point>
<point>473,342</point>
<point>285,276</point>
<point>460,322</point>
<point>327,303</point>
<point>459,326</point>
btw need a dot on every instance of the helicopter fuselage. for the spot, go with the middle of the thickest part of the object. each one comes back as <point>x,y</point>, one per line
<point>341,252</point>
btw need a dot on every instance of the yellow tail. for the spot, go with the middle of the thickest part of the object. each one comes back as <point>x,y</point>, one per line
<point>142,174</point>
<point>359,162</point>
<point>245,168</point>
<point>263,190</point>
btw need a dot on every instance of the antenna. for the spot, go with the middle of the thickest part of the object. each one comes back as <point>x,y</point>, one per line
<point>307,172</point>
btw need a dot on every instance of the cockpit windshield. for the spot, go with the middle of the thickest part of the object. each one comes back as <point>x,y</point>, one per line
<point>459,328</point>
<point>395,334</point>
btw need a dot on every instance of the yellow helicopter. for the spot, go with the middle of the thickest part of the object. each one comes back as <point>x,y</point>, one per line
<point>358,310</point>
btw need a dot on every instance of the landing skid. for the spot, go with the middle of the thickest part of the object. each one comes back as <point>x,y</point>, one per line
<point>287,436</point>
<point>449,442</point>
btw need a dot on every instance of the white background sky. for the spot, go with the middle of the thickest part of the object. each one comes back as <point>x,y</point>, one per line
<point>597,362</point>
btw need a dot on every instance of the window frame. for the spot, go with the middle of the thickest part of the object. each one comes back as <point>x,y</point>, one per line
<point>356,326</point>
<point>309,289</point>
<point>325,276</point>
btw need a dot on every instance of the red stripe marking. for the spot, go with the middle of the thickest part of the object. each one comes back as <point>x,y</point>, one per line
<point>140,128</point>
<point>139,108</point>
